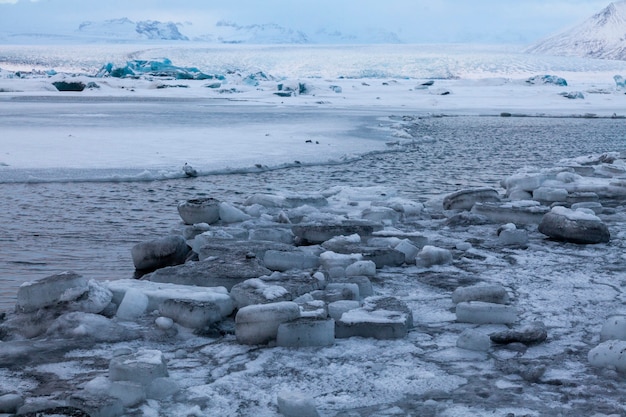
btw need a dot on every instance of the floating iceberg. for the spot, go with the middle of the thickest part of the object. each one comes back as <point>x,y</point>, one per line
<point>547,79</point>
<point>162,68</point>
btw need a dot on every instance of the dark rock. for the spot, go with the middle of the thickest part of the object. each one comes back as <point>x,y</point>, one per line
<point>530,334</point>
<point>159,253</point>
<point>69,86</point>
<point>572,226</point>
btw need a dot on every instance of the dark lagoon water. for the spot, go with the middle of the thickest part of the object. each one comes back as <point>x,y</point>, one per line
<point>90,227</point>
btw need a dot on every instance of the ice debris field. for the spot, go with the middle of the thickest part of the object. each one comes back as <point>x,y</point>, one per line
<point>343,303</point>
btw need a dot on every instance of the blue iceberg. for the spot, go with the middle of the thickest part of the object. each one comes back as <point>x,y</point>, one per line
<point>156,68</point>
<point>620,81</point>
<point>547,79</point>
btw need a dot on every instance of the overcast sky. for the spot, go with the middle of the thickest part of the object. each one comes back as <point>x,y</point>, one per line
<point>412,20</point>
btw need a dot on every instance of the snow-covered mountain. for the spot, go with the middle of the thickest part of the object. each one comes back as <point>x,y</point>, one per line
<point>601,36</point>
<point>270,33</point>
<point>126,29</point>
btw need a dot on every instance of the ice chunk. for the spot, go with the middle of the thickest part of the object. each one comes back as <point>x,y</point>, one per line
<point>409,250</point>
<point>305,332</point>
<point>432,255</point>
<point>9,403</point>
<point>337,308</point>
<point>340,243</point>
<point>94,300</point>
<point>525,181</point>
<point>384,242</point>
<point>129,393</point>
<point>164,323</point>
<point>296,404</point>
<point>312,308</point>
<point>550,194</point>
<point>547,79</point>
<point>286,260</point>
<point>205,210</point>
<point>191,313</point>
<point>490,293</point>
<point>416,238</point>
<point>594,206</point>
<point>267,200</point>
<point>482,313</point>
<point>159,292</point>
<point>614,329</point>
<point>274,288</point>
<point>330,260</point>
<point>609,354</point>
<point>142,367</point>
<point>158,253</point>
<point>513,237</point>
<point>223,271</point>
<point>383,215</point>
<point>363,282</point>
<point>47,291</point>
<point>231,214</point>
<point>133,305</point>
<point>98,385</point>
<point>379,317</point>
<point>473,340</point>
<point>573,95</point>
<point>383,256</point>
<point>99,406</point>
<point>620,81</point>
<point>529,334</point>
<point>342,291</point>
<point>86,326</point>
<point>361,268</point>
<point>273,234</point>
<point>315,233</point>
<point>465,199</point>
<point>258,324</point>
<point>518,212</point>
<point>161,388</point>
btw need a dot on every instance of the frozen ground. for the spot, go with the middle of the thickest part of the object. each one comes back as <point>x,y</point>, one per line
<point>121,135</point>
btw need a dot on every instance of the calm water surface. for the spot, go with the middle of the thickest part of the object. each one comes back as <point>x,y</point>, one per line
<point>90,227</point>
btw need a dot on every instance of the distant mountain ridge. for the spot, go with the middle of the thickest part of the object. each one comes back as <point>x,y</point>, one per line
<point>124,28</point>
<point>601,36</point>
